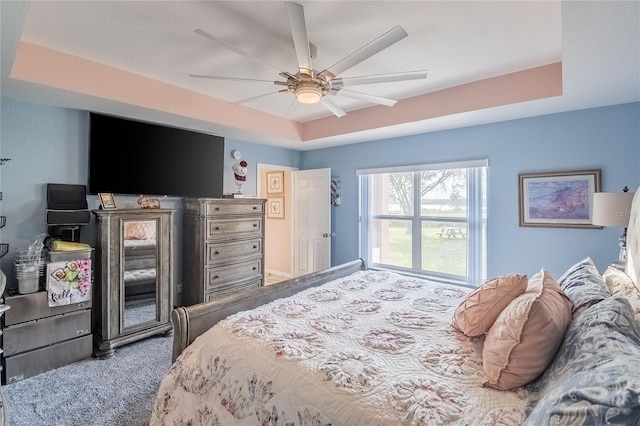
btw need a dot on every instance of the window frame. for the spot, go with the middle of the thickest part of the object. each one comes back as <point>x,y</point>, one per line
<point>475,221</point>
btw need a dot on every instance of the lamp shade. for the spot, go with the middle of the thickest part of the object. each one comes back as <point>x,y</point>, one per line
<point>612,208</point>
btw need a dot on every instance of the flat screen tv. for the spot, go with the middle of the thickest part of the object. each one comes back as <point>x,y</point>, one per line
<point>139,158</point>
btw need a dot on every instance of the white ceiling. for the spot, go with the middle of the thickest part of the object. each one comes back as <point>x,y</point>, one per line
<point>458,42</point>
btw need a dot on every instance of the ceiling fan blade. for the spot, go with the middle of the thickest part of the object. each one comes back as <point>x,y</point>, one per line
<point>215,77</point>
<point>300,38</point>
<point>292,108</point>
<point>365,52</point>
<point>256,97</point>
<point>367,98</point>
<point>331,106</point>
<point>379,78</point>
<point>235,49</point>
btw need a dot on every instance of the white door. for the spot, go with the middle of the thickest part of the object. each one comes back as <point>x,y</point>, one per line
<point>312,220</point>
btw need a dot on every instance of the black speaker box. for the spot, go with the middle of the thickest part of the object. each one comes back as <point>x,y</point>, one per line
<point>62,196</point>
<point>67,204</point>
<point>67,217</point>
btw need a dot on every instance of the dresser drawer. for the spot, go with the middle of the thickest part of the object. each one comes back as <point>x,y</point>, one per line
<point>233,227</point>
<point>236,272</point>
<point>28,307</point>
<point>217,252</point>
<point>32,363</point>
<point>231,289</point>
<point>216,209</point>
<point>36,334</point>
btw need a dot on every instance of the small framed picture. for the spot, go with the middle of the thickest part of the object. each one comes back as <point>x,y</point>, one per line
<point>107,202</point>
<point>275,208</point>
<point>558,199</point>
<point>275,182</point>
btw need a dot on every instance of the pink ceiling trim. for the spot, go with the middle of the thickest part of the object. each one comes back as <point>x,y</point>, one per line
<point>40,65</point>
<point>535,83</point>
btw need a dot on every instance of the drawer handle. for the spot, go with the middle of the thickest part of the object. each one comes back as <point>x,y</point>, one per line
<point>216,252</point>
<point>81,332</point>
<point>255,208</point>
<point>255,225</point>
<point>217,209</point>
<point>255,247</point>
<point>217,228</point>
<point>254,268</point>
<point>215,277</point>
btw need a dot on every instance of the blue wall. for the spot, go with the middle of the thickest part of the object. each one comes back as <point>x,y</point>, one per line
<point>49,144</point>
<point>601,138</point>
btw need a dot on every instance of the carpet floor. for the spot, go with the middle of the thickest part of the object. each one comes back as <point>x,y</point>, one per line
<point>116,391</point>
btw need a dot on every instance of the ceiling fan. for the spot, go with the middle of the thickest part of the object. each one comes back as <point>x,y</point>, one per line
<point>311,86</point>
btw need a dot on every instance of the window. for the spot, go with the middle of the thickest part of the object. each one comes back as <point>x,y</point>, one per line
<point>428,220</point>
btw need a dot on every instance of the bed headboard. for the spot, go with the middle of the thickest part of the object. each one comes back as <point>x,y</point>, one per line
<point>633,241</point>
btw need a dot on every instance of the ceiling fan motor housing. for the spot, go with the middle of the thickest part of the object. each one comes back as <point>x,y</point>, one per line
<point>308,88</point>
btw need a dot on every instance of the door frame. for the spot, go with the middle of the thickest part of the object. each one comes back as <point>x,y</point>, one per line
<point>264,166</point>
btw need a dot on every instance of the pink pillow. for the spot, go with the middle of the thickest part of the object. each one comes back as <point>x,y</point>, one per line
<point>479,309</point>
<point>527,334</point>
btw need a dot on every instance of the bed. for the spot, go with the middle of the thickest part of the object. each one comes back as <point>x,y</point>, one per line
<point>352,346</point>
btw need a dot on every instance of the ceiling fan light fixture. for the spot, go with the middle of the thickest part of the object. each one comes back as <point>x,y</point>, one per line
<point>308,95</point>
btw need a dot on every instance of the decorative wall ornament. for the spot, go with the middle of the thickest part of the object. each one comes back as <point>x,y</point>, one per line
<point>558,199</point>
<point>275,208</point>
<point>335,191</point>
<point>240,173</point>
<point>275,182</point>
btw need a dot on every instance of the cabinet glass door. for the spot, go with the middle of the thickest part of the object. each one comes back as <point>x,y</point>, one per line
<point>139,279</point>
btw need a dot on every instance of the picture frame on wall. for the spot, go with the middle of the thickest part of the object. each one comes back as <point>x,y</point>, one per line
<point>107,201</point>
<point>275,208</point>
<point>275,182</point>
<point>561,199</point>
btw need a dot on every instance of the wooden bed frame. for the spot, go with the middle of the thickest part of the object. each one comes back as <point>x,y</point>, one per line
<point>191,321</point>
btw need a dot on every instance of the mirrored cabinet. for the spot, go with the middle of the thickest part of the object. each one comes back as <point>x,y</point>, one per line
<point>133,286</point>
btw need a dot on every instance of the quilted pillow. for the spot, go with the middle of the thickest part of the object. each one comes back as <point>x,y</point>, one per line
<point>595,377</point>
<point>479,309</point>
<point>526,335</point>
<point>619,284</point>
<point>584,285</point>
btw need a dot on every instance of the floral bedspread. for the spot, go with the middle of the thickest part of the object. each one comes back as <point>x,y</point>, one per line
<point>373,348</point>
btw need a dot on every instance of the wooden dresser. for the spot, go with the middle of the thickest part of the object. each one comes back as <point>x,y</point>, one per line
<point>223,247</point>
<point>133,293</point>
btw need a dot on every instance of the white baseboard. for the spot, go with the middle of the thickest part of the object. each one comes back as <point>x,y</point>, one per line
<point>283,274</point>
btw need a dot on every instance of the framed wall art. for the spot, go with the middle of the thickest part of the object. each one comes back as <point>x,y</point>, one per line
<point>275,208</point>
<point>107,202</point>
<point>558,199</point>
<point>275,182</point>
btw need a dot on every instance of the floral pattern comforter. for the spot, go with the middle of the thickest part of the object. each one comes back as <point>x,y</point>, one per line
<point>373,348</point>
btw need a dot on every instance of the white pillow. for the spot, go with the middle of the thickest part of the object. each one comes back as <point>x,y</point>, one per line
<point>620,284</point>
